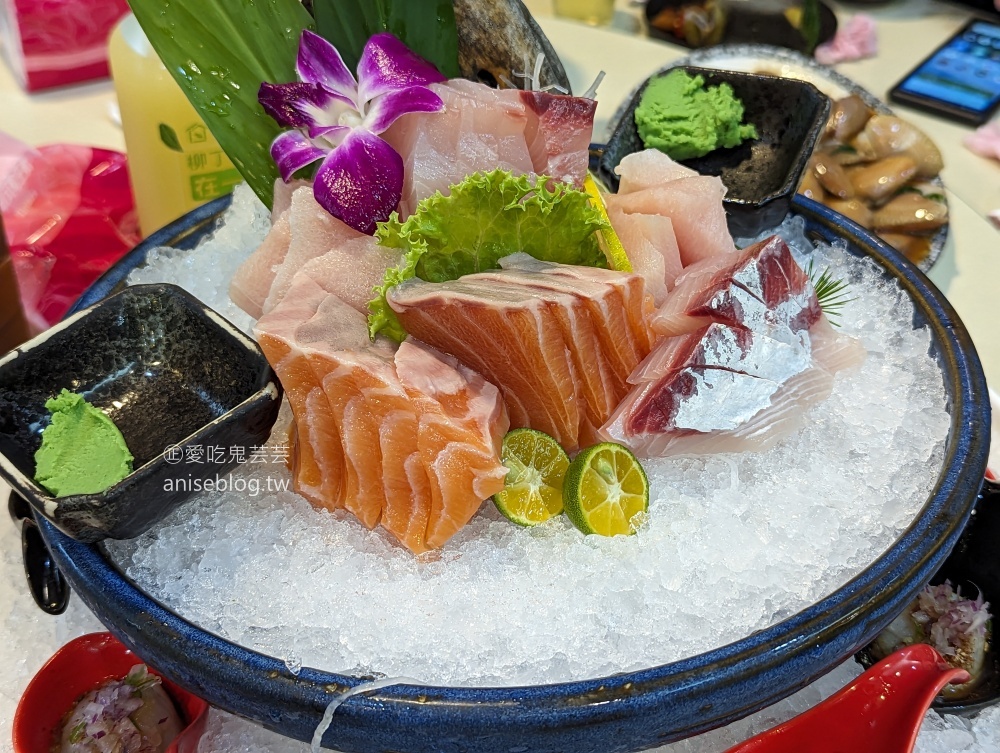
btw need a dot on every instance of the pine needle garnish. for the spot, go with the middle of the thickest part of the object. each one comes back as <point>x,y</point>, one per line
<point>832,293</point>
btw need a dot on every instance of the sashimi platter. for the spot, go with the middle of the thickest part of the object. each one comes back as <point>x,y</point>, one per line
<point>556,468</point>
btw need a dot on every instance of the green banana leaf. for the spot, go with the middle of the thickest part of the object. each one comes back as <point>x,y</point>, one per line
<point>426,26</point>
<point>220,51</point>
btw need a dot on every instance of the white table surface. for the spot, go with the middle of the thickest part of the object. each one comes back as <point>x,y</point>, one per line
<point>967,271</point>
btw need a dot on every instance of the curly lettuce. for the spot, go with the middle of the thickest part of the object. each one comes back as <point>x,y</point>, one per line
<point>486,217</point>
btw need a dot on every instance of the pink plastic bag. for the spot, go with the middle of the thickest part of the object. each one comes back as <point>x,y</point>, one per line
<point>58,42</point>
<point>69,215</point>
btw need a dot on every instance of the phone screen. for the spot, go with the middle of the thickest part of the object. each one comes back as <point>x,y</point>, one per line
<point>965,72</point>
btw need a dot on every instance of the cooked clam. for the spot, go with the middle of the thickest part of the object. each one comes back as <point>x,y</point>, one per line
<point>880,180</point>
<point>832,176</point>
<point>847,118</point>
<point>810,186</point>
<point>911,212</point>
<point>889,135</point>
<point>852,209</point>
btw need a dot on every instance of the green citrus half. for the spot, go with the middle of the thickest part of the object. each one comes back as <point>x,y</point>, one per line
<point>605,490</point>
<point>536,467</point>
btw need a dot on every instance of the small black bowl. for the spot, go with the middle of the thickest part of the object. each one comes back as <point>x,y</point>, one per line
<point>761,175</point>
<point>189,392</point>
<point>974,567</point>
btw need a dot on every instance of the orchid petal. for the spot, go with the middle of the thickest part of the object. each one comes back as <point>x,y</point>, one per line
<point>292,151</point>
<point>319,62</point>
<point>385,109</point>
<point>388,65</point>
<point>298,105</point>
<point>361,181</point>
<point>316,132</point>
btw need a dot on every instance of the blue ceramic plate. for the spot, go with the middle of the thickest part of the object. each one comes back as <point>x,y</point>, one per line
<point>625,712</point>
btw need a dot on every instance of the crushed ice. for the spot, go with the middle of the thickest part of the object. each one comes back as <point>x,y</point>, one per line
<point>492,607</point>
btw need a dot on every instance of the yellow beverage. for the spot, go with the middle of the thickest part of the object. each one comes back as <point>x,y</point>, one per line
<point>175,163</point>
<point>593,12</point>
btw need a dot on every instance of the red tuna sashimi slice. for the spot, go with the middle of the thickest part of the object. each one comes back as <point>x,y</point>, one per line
<point>313,232</point>
<point>651,246</point>
<point>698,409</point>
<point>558,134</point>
<point>761,283</point>
<point>507,335</point>
<point>694,205</point>
<point>648,169</point>
<point>462,424</point>
<point>252,281</point>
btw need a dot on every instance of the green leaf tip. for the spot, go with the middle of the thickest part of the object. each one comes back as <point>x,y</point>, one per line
<point>831,292</point>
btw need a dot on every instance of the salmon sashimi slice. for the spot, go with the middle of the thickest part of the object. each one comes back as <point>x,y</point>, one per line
<point>462,421</point>
<point>507,334</point>
<point>694,206</point>
<point>648,168</point>
<point>599,387</point>
<point>288,336</point>
<point>252,281</point>
<point>418,455</point>
<point>617,299</point>
<point>407,487</point>
<point>761,283</point>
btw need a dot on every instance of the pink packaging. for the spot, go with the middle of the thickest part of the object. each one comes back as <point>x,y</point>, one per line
<point>58,42</point>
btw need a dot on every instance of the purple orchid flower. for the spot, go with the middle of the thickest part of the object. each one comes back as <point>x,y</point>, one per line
<point>337,118</point>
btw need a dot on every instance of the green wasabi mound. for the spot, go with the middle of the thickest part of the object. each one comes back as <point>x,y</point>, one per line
<point>682,117</point>
<point>82,451</point>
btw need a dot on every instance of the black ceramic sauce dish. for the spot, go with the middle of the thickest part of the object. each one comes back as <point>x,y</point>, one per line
<point>761,175</point>
<point>624,712</point>
<point>169,372</point>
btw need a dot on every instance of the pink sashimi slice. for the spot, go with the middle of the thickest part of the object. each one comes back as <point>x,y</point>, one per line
<point>483,129</point>
<point>462,422</point>
<point>694,205</point>
<point>252,281</point>
<point>352,270</point>
<point>313,232</point>
<point>282,201</point>
<point>651,246</point>
<point>558,134</point>
<point>648,168</point>
<point>761,283</point>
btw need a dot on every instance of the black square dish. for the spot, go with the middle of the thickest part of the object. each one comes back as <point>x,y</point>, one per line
<point>760,175</point>
<point>169,372</point>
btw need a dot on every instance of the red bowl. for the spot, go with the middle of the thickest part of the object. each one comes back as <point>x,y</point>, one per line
<point>77,668</point>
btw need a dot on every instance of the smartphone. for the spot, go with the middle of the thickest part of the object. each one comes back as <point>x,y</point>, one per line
<point>960,80</point>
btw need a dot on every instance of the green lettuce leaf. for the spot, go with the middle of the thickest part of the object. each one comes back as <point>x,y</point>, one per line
<point>425,26</point>
<point>486,217</point>
<point>220,51</point>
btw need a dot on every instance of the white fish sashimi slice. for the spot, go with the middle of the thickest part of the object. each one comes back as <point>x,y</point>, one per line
<point>648,168</point>
<point>282,198</point>
<point>252,282</point>
<point>352,270</point>
<point>651,247</point>
<point>480,129</point>
<point>694,205</point>
<point>313,232</point>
